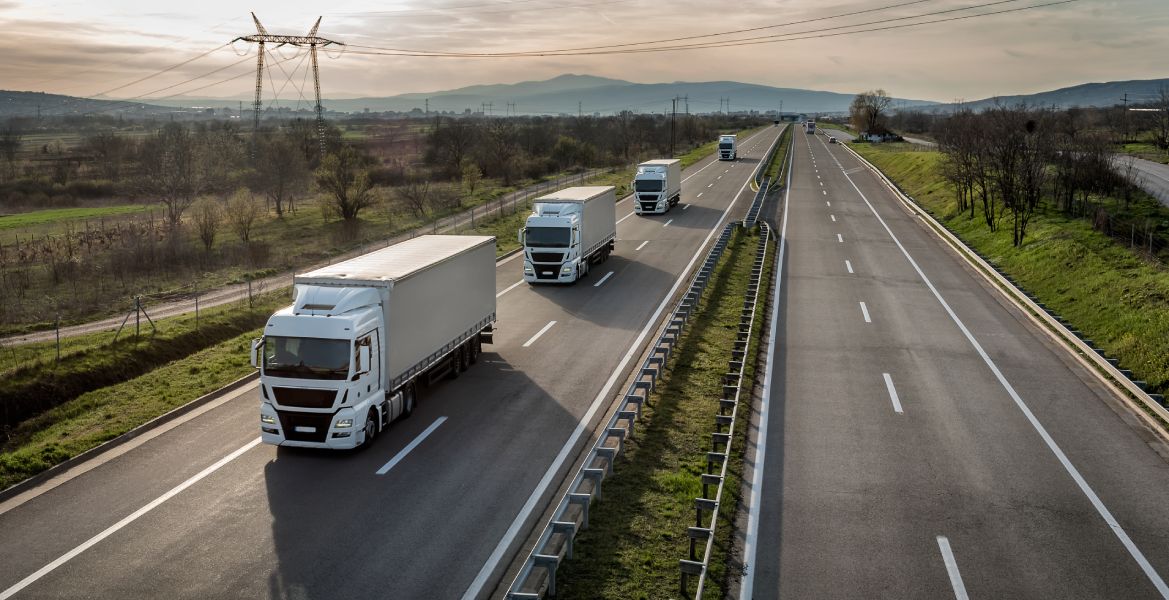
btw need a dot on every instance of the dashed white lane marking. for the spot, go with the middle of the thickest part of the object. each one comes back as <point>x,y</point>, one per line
<point>865,313</point>
<point>952,568</point>
<point>848,265</point>
<point>532,339</point>
<point>603,279</point>
<point>641,246</point>
<point>892,393</point>
<point>412,445</point>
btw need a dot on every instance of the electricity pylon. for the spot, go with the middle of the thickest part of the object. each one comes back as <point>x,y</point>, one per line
<point>312,41</point>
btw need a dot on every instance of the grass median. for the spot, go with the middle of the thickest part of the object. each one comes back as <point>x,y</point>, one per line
<point>1115,297</point>
<point>637,533</point>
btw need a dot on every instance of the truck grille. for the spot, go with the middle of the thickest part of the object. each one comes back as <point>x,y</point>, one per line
<point>548,257</point>
<point>547,273</point>
<point>304,398</point>
<point>649,205</point>
<point>320,422</point>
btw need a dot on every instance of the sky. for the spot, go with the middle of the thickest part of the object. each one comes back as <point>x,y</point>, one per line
<point>86,48</point>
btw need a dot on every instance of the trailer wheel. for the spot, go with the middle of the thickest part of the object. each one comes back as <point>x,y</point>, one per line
<point>456,364</point>
<point>476,346</point>
<point>465,358</point>
<point>409,397</point>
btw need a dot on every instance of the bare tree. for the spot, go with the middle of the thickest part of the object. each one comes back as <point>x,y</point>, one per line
<point>415,194</point>
<point>867,112</point>
<point>109,152</point>
<point>11,139</point>
<point>471,176</point>
<point>451,142</point>
<point>242,213</point>
<point>208,216</point>
<point>171,170</point>
<point>1161,118</point>
<point>344,178</point>
<point>281,171</point>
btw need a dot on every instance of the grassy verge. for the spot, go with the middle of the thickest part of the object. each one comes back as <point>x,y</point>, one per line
<point>1112,295</point>
<point>637,534</point>
<point>777,161</point>
<point>57,215</point>
<point>101,415</point>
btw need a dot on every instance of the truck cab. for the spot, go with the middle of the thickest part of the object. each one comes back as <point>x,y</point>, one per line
<point>320,364</point>
<point>552,243</point>
<point>657,186</point>
<point>727,147</point>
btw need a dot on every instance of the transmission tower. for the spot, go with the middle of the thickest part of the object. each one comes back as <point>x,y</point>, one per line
<point>312,41</point>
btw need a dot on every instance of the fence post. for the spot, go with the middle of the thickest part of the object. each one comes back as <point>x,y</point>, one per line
<point>249,292</point>
<point>57,326</point>
<point>196,311</point>
<point>137,314</point>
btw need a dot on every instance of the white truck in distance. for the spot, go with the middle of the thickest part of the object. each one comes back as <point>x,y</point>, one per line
<point>347,357</point>
<point>567,232</point>
<point>657,185</point>
<point>810,126</point>
<point>727,147</point>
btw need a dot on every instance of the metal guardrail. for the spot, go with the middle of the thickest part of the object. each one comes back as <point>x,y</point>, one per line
<point>1154,403</point>
<point>572,511</point>
<point>721,441</point>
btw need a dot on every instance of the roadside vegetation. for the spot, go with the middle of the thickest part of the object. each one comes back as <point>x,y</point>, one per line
<point>637,533</point>
<point>180,207</point>
<point>779,160</point>
<point>54,410</point>
<point>1116,294</point>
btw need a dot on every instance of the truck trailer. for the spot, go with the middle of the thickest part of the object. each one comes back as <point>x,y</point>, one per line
<point>657,185</point>
<point>347,357</point>
<point>728,147</point>
<point>567,232</point>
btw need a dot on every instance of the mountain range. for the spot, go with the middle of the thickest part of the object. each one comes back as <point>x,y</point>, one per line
<point>583,94</point>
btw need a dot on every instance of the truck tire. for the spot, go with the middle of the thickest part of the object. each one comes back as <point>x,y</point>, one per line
<point>456,365</point>
<point>371,428</point>
<point>409,399</point>
<point>476,346</point>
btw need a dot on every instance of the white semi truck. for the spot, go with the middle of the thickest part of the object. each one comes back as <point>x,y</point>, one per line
<point>810,126</point>
<point>567,232</point>
<point>728,147</point>
<point>347,357</point>
<point>657,186</point>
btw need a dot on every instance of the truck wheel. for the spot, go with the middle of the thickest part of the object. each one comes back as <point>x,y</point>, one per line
<point>456,365</point>
<point>465,358</point>
<point>409,397</point>
<point>371,428</point>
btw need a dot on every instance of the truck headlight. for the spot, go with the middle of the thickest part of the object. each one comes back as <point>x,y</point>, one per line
<point>566,270</point>
<point>267,419</point>
<point>528,270</point>
<point>343,423</point>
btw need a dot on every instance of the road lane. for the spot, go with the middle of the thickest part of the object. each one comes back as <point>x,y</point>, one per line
<point>286,523</point>
<point>855,489</point>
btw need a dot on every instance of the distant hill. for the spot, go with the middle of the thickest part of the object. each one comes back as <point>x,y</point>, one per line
<point>589,94</point>
<point>1086,95</point>
<point>30,104</point>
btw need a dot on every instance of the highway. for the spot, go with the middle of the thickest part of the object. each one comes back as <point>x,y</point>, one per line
<point>437,508</point>
<point>919,437</point>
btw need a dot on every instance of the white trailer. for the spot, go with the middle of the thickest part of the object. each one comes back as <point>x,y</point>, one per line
<point>657,185</point>
<point>728,147</point>
<point>567,232</point>
<point>347,357</point>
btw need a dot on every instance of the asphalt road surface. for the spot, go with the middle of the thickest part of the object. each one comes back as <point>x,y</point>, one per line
<point>922,439</point>
<point>201,510</point>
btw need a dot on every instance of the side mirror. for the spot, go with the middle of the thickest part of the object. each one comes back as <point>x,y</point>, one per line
<point>520,236</point>
<point>363,357</point>
<point>257,346</point>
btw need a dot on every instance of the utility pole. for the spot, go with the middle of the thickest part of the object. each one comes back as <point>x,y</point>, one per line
<point>579,109</point>
<point>1124,116</point>
<point>673,114</point>
<point>312,41</point>
<point>427,113</point>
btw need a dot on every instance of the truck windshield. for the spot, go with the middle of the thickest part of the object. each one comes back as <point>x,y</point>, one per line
<point>648,185</point>
<point>306,358</point>
<point>725,145</point>
<point>547,237</point>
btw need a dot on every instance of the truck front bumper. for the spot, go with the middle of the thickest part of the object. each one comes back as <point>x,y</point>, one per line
<point>307,430</point>
<point>549,273</point>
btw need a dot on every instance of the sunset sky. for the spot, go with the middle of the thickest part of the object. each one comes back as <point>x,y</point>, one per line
<point>84,48</point>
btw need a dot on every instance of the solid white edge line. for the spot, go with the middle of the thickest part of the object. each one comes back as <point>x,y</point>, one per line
<point>112,529</point>
<point>412,445</point>
<point>640,246</point>
<point>892,393</point>
<point>750,539</point>
<point>532,339</point>
<point>603,279</point>
<point>952,569</point>
<point>865,313</point>
<point>513,530</point>
<point>1097,503</point>
<point>509,288</point>
<point>848,265</point>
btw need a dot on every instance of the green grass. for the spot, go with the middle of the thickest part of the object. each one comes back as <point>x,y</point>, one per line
<point>780,157</point>
<point>57,395</point>
<point>104,414</point>
<point>637,533</point>
<point>56,215</point>
<point>1147,151</point>
<point>1115,297</point>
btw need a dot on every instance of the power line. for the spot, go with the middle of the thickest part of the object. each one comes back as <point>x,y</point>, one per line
<point>804,35</point>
